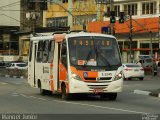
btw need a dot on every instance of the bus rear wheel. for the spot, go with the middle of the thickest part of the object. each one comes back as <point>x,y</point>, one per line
<point>65,95</point>
<point>42,91</point>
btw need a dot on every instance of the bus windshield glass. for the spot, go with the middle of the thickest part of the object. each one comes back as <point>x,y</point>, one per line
<point>94,51</point>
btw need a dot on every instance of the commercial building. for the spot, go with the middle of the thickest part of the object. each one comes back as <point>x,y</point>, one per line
<point>9,24</point>
<point>137,36</point>
<point>145,22</point>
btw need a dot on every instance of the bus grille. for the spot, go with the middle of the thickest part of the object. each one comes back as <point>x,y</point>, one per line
<point>101,78</point>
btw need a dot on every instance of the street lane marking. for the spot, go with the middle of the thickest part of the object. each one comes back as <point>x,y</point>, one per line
<point>18,83</point>
<point>15,94</point>
<point>3,83</point>
<point>89,105</point>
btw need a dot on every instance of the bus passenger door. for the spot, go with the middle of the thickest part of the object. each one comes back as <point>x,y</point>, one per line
<point>56,66</point>
<point>31,69</point>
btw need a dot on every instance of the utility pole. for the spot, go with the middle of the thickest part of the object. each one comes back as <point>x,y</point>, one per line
<point>131,37</point>
<point>70,16</point>
<point>98,12</point>
<point>151,44</point>
<point>159,34</point>
<point>112,9</point>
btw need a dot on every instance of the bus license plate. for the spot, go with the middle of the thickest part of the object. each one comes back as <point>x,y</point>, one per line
<point>98,90</point>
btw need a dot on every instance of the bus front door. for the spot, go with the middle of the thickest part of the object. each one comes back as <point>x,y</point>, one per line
<point>31,71</point>
<point>56,66</point>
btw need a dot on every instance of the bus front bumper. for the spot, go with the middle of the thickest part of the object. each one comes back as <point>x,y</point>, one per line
<point>77,86</point>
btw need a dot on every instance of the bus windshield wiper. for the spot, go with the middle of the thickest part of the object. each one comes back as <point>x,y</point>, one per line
<point>104,58</point>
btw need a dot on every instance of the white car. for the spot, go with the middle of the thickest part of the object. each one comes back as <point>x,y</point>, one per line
<point>133,70</point>
<point>17,65</point>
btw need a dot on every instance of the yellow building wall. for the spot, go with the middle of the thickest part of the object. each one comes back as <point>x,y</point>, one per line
<point>86,7</point>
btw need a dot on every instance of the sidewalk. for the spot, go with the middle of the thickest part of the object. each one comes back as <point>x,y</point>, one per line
<point>150,92</point>
<point>155,93</point>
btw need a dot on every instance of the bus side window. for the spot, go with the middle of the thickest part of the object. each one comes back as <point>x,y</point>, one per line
<point>64,54</point>
<point>40,51</point>
<point>30,51</point>
<point>51,51</point>
<point>45,51</point>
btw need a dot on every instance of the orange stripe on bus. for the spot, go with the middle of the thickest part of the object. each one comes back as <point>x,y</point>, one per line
<point>51,65</point>
<point>52,85</point>
<point>51,76</point>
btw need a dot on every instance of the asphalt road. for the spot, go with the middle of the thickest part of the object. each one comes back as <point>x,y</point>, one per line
<point>16,96</point>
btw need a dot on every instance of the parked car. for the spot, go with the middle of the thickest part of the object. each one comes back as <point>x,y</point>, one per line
<point>133,70</point>
<point>146,61</point>
<point>17,65</point>
<point>2,64</point>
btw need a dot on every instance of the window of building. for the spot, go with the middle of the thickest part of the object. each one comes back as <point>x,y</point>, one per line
<point>83,19</point>
<point>148,8</point>
<point>57,22</point>
<point>117,10</point>
<point>130,9</point>
<point>9,48</point>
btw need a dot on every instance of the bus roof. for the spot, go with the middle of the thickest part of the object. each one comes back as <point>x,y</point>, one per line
<point>60,37</point>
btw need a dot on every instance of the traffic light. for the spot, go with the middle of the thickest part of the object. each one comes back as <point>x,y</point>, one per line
<point>112,17</point>
<point>31,4</point>
<point>121,17</point>
<point>43,5</point>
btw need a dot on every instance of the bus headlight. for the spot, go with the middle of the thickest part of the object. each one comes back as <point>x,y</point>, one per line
<point>118,76</point>
<point>75,76</point>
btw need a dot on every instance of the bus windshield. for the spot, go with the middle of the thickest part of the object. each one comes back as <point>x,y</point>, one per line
<point>94,51</point>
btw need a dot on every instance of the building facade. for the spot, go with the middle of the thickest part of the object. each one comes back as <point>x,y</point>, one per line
<point>9,13</point>
<point>72,13</point>
<point>144,27</point>
<point>9,24</point>
<point>145,22</point>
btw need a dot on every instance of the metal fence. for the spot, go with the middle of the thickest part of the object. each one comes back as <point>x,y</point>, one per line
<point>14,73</point>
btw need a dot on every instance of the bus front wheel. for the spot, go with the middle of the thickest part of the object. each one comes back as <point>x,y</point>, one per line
<point>65,95</point>
<point>42,91</point>
<point>112,96</point>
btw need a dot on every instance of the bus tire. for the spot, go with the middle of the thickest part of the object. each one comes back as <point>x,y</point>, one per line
<point>141,78</point>
<point>65,95</point>
<point>49,92</point>
<point>112,96</point>
<point>104,96</point>
<point>42,91</point>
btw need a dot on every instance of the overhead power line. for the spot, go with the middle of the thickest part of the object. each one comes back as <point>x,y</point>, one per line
<point>13,19</point>
<point>8,5</point>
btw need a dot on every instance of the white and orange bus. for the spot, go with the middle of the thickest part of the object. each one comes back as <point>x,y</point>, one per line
<point>82,63</point>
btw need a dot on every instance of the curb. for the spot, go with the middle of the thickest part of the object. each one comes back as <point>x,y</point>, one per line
<point>148,93</point>
<point>8,76</point>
